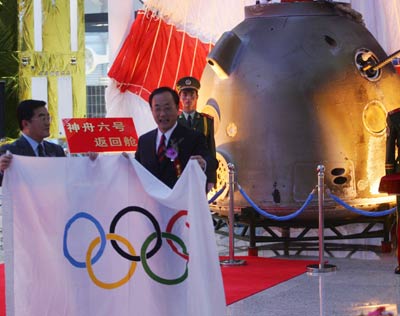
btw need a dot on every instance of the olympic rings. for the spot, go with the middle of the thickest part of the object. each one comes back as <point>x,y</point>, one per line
<point>151,218</point>
<point>131,255</point>
<point>147,268</point>
<point>125,279</point>
<point>74,262</point>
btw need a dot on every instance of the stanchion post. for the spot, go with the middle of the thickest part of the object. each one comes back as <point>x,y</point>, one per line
<point>322,266</point>
<point>321,222</point>
<point>231,219</point>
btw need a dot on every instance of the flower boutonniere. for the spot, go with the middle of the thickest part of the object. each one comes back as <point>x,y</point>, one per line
<point>172,153</point>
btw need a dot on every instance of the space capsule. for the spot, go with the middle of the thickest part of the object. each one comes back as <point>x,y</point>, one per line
<point>294,86</point>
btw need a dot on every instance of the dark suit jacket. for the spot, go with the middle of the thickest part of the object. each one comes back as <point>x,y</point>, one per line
<point>189,143</point>
<point>203,123</point>
<point>23,148</point>
<point>392,141</point>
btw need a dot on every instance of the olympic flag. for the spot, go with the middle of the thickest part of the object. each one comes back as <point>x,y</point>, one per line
<point>105,237</point>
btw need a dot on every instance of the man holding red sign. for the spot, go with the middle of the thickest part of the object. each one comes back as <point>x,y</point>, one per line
<point>34,122</point>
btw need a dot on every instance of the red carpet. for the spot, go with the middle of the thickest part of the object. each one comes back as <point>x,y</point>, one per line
<point>239,281</point>
<point>2,292</point>
<point>258,274</point>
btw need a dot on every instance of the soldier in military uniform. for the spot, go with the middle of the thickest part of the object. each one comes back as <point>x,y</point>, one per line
<point>188,88</point>
<point>392,141</point>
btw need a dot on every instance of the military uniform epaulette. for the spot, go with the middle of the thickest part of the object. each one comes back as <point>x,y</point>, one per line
<point>394,111</point>
<point>207,115</point>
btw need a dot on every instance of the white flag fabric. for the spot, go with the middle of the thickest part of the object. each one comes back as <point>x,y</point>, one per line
<point>105,237</point>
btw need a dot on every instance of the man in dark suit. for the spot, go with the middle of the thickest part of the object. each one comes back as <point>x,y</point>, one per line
<point>166,150</point>
<point>392,162</point>
<point>34,123</point>
<point>188,90</point>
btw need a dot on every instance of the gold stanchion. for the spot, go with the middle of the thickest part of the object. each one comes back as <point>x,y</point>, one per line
<point>231,218</point>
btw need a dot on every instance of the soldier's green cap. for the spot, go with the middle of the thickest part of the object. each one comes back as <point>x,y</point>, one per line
<point>187,83</point>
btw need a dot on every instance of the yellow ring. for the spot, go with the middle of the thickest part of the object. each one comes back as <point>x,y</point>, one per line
<point>125,279</point>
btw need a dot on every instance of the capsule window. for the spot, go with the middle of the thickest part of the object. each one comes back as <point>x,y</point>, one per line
<point>340,180</point>
<point>337,171</point>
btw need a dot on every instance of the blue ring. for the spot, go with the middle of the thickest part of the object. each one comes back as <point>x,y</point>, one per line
<point>103,240</point>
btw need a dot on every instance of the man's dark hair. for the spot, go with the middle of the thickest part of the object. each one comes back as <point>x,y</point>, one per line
<point>162,90</point>
<point>26,109</point>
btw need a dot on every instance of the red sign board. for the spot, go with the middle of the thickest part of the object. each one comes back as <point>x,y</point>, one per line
<point>100,134</point>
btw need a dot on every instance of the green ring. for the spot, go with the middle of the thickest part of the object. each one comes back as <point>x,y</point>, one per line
<point>146,266</point>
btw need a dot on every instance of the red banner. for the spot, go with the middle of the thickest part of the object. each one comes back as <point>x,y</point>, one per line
<point>100,134</point>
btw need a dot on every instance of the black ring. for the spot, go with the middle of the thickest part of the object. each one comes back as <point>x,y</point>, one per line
<point>151,218</point>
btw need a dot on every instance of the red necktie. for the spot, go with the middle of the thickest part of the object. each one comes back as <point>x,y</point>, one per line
<point>161,148</point>
<point>41,150</point>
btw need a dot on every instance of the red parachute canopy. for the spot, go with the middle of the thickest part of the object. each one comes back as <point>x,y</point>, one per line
<point>157,54</point>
